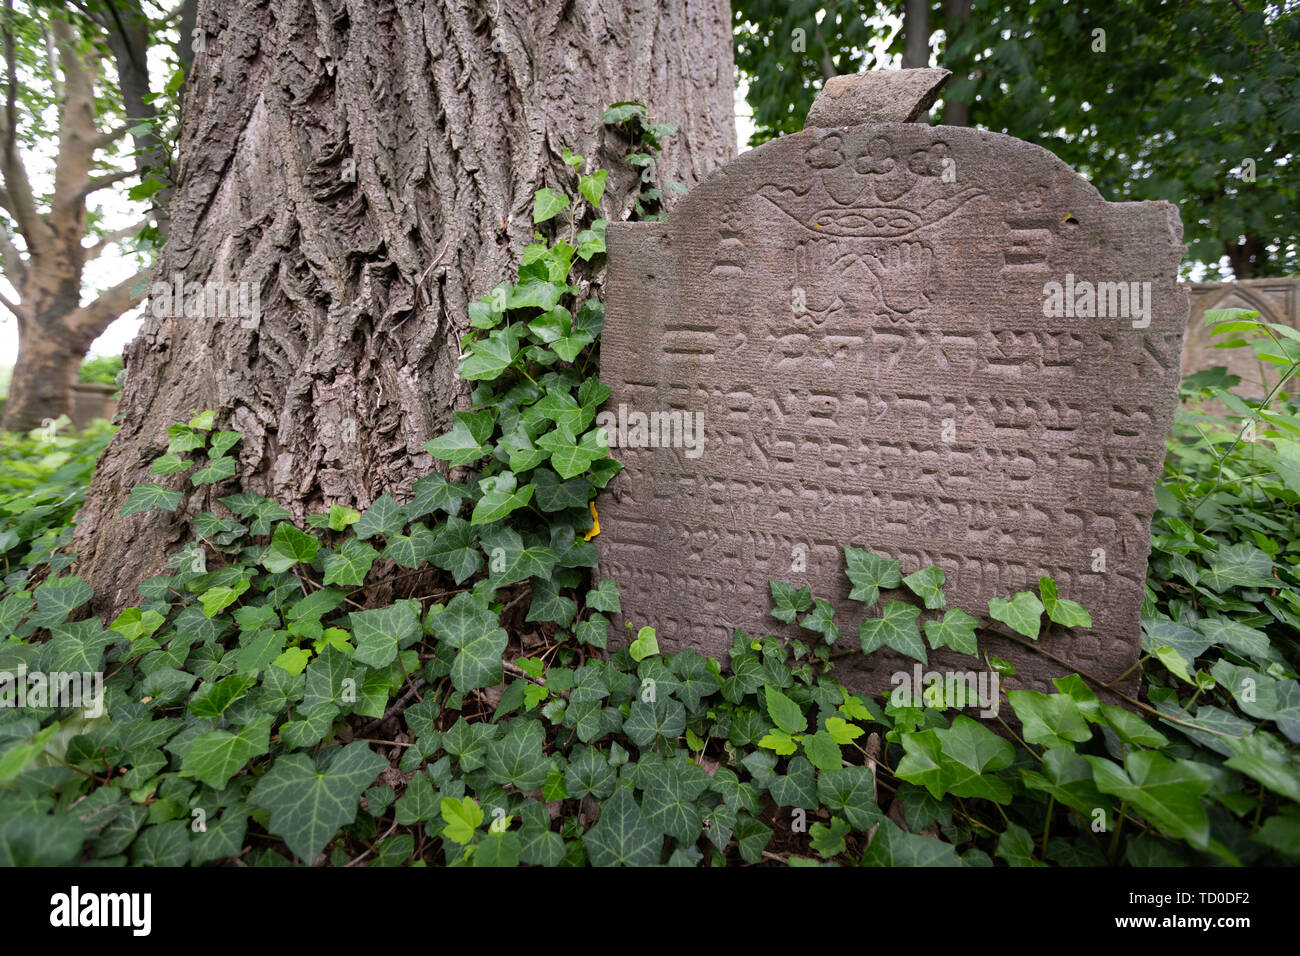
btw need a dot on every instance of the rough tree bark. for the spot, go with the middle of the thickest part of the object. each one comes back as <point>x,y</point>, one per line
<point>452,113</point>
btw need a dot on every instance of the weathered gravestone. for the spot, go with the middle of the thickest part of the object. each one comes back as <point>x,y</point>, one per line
<point>933,343</point>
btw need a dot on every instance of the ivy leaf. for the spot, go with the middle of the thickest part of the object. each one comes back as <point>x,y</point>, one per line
<point>413,550</point>
<point>350,564</point>
<point>463,445</point>
<point>870,574</point>
<point>891,846</point>
<point>850,790</point>
<point>788,601</point>
<point>956,630</point>
<point>649,721</point>
<point>622,836</point>
<point>217,469</point>
<point>146,497</point>
<point>927,584</point>
<point>57,598</point>
<point>895,628</point>
<point>502,498</point>
<point>604,597</point>
<point>435,493</point>
<point>1060,611</point>
<point>1239,565</point>
<point>1168,793</point>
<point>822,621</point>
<point>547,203</point>
<point>307,804</point>
<point>288,547</point>
<point>669,791</point>
<point>169,465</point>
<point>572,458</point>
<point>462,818</point>
<point>823,750</point>
<point>1023,613</point>
<point>518,758</point>
<point>645,645</point>
<point>796,788</point>
<point>213,758</point>
<point>784,712</point>
<point>509,561</point>
<point>382,631</point>
<point>593,187</point>
<point>382,517</point>
<point>454,549</point>
<point>1053,720</point>
<point>475,633</point>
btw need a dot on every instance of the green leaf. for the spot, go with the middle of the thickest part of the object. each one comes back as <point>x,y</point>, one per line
<point>622,836</point>
<point>604,597</point>
<point>645,645</point>
<point>288,547</point>
<point>217,469</point>
<point>547,203</point>
<point>435,493</point>
<point>927,584</point>
<point>454,549</point>
<point>169,464</point>
<point>462,818</point>
<point>784,712</point>
<point>822,621</point>
<point>381,632</point>
<point>382,517</point>
<point>1168,793</point>
<point>1023,613</point>
<point>463,445</point>
<point>823,751</point>
<point>501,500</point>
<point>1053,720</point>
<point>146,497</point>
<point>788,601</point>
<point>350,564</point>
<point>509,561</point>
<point>473,631</point>
<point>518,757</point>
<point>891,846</point>
<point>1060,611</point>
<point>593,187</point>
<point>669,791</point>
<point>308,804</point>
<point>850,790</point>
<point>895,628</point>
<point>956,630</point>
<point>57,598</point>
<point>213,758</point>
<point>870,574</point>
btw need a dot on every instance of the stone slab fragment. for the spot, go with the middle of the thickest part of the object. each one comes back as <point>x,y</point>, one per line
<point>880,96</point>
<point>858,315</point>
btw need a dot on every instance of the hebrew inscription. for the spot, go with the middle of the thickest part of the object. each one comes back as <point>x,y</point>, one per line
<point>861,319</point>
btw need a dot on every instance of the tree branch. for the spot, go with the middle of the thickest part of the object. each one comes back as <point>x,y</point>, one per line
<point>92,319</point>
<point>100,182</point>
<point>18,188</point>
<point>117,235</point>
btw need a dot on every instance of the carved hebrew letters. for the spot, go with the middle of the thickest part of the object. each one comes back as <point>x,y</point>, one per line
<point>858,312</point>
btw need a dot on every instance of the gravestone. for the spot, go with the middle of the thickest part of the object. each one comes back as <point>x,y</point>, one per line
<point>933,343</point>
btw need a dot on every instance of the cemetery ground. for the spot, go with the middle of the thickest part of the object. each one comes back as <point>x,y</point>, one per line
<point>425,726</point>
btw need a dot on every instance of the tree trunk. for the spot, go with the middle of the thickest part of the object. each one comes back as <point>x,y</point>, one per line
<point>956,17</point>
<point>368,167</point>
<point>43,376</point>
<point>916,34</point>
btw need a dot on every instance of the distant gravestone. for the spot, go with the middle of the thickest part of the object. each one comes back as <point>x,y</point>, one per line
<point>932,343</point>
